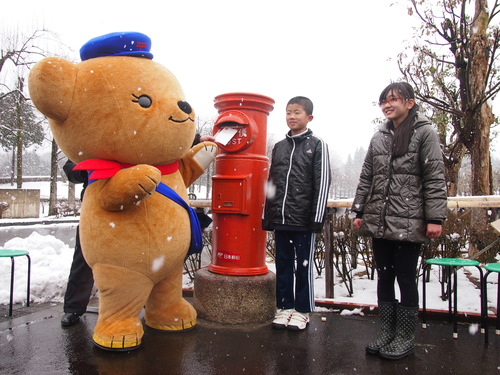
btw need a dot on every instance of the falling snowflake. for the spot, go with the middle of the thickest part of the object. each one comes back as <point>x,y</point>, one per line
<point>157,263</point>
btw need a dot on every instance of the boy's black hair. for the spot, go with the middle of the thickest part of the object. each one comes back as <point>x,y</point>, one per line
<point>404,88</point>
<point>306,103</point>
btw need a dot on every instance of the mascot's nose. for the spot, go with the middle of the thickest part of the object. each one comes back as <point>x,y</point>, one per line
<point>185,107</point>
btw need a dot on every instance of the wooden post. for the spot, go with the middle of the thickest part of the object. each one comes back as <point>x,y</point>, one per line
<point>327,237</point>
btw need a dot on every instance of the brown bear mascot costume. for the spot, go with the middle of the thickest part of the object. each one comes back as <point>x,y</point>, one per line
<point>124,118</point>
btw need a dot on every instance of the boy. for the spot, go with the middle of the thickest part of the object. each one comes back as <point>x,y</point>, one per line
<point>297,193</point>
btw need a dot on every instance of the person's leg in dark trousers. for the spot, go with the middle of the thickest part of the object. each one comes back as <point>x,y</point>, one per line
<point>294,308</point>
<point>406,260</point>
<point>79,287</point>
<point>383,252</point>
<point>285,258</point>
<point>304,243</point>
<point>397,260</point>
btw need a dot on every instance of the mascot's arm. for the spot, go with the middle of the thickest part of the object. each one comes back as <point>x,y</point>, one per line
<point>128,187</point>
<point>198,159</point>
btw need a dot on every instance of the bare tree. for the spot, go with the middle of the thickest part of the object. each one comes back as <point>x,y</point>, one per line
<point>21,50</point>
<point>54,169</point>
<point>17,116</point>
<point>19,127</point>
<point>454,68</point>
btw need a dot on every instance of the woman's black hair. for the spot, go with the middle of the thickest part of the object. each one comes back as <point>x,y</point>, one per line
<point>402,134</point>
<point>402,88</point>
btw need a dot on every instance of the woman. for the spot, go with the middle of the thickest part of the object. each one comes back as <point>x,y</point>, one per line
<point>401,203</point>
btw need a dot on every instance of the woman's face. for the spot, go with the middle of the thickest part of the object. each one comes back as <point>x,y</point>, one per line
<point>395,107</point>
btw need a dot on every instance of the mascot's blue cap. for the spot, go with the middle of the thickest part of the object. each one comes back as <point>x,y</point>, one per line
<point>117,44</point>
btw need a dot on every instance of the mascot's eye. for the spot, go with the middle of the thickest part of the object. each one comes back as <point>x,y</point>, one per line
<point>185,107</point>
<point>143,100</point>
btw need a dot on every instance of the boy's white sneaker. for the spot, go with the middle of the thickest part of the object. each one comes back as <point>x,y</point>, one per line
<point>282,318</point>
<point>298,321</point>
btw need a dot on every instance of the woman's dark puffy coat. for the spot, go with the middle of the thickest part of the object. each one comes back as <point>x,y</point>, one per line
<point>398,197</point>
<point>300,178</point>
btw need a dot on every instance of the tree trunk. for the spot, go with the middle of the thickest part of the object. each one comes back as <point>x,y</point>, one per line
<point>13,167</point>
<point>453,163</point>
<point>481,118</point>
<point>481,115</point>
<point>19,120</point>
<point>53,179</point>
<point>71,194</point>
<point>19,160</point>
<point>210,173</point>
<point>480,170</point>
<point>480,161</point>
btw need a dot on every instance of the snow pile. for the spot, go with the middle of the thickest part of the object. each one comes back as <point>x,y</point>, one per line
<point>50,263</point>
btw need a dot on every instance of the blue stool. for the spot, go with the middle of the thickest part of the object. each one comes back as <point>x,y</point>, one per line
<point>490,268</point>
<point>12,254</point>
<point>451,265</point>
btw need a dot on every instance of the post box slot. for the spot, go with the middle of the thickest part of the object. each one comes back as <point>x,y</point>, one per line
<point>231,124</point>
<point>247,131</point>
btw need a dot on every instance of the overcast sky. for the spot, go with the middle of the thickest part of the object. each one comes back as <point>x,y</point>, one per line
<point>340,54</point>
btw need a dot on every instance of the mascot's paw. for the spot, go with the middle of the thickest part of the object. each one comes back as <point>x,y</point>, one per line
<point>129,187</point>
<point>118,335</point>
<point>145,178</point>
<point>206,154</point>
<point>177,317</point>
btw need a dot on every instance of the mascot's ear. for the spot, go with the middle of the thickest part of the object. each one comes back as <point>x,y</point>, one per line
<point>51,85</point>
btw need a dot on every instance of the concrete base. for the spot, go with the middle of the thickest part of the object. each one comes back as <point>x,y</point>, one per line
<point>234,299</point>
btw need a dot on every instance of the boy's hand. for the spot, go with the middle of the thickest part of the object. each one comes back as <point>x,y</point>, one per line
<point>316,227</point>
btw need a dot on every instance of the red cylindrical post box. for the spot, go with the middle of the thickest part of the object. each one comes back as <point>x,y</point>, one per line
<point>238,190</point>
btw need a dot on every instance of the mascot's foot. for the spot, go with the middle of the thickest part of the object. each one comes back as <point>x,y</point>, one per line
<point>178,317</point>
<point>184,326</point>
<point>116,349</point>
<point>118,336</point>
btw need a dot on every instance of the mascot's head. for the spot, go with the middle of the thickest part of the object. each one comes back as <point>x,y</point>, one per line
<point>116,104</point>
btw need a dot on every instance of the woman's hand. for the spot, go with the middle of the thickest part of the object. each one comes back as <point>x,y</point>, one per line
<point>434,230</point>
<point>357,222</point>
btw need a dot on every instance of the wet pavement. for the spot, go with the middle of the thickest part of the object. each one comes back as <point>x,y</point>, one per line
<point>37,344</point>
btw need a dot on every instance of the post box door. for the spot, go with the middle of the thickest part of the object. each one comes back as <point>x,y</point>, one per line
<point>230,194</point>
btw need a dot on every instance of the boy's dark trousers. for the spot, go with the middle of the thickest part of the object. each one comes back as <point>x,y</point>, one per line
<point>80,282</point>
<point>288,245</point>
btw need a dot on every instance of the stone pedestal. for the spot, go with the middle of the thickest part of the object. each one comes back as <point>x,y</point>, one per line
<point>234,299</point>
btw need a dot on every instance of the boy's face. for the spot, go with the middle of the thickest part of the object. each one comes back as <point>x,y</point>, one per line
<point>297,118</point>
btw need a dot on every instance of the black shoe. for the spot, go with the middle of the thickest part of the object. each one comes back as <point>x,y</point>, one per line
<point>70,319</point>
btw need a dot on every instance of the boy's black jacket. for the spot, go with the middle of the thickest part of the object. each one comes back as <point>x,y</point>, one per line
<point>300,176</point>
